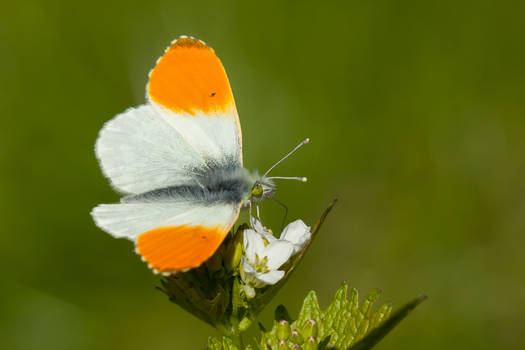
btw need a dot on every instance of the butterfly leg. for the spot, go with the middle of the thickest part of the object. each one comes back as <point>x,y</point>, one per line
<point>252,219</point>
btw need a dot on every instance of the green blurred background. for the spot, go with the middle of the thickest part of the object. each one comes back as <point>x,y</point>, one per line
<point>416,115</point>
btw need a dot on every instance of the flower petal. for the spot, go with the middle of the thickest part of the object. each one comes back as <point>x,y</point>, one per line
<point>247,267</point>
<point>278,252</point>
<point>253,244</point>
<point>271,277</point>
<point>269,237</point>
<point>297,233</point>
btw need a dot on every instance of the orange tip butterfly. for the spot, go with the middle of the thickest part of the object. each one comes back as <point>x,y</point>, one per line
<point>177,160</point>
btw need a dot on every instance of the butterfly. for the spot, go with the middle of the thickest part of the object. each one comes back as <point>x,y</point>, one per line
<point>177,161</point>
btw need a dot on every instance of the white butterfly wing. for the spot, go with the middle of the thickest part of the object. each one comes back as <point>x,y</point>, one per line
<point>189,129</point>
<point>129,220</point>
<point>170,236</point>
<point>190,124</point>
<point>139,151</point>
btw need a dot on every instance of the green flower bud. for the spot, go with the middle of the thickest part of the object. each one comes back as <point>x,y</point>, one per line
<point>309,329</point>
<point>296,337</point>
<point>249,291</point>
<point>283,330</point>
<point>244,324</point>
<point>234,251</point>
<point>310,344</point>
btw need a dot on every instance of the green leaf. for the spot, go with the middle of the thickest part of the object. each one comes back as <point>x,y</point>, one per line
<point>225,344</point>
<point>237,300</point>
<point>191,292</point>
<point>309,311</point>
<point>380,332</point>
<point>344,324</point>
<point>214,344</point>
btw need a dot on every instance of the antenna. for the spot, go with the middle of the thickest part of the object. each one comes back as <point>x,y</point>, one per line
<point>303,179</point>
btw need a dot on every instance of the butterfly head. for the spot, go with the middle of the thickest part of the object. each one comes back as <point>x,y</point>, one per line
<point>262,188</point>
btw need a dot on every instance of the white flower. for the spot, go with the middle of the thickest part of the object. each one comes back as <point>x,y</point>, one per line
<point>264,254</point>
<point>262,259</point>
<point>296,233</point>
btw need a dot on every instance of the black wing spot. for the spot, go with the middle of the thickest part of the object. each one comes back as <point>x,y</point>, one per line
<point>203,237</point>
<point>212,94</point>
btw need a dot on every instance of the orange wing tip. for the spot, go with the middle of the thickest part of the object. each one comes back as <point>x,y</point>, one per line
<point>183,41</point>
<point>172,249</point>
<point>189,78</point>
<point>188,41</point>
<point>154,270</point>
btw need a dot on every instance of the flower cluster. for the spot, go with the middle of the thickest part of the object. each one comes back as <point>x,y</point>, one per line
<point>264,254</point>
<point>243,276</point>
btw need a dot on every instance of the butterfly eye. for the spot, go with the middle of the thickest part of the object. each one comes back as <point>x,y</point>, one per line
<point>257,190</point>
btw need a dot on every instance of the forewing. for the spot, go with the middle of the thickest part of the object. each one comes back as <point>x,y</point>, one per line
<point>189,87</point>
<point>189,126</point>
<point>172,236</point>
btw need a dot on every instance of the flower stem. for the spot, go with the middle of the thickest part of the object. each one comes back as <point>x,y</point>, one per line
<point>233,332</point>
<point>237,339</point>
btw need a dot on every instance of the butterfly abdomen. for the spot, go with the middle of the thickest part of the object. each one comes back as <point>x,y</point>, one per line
<point>215,185</point>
